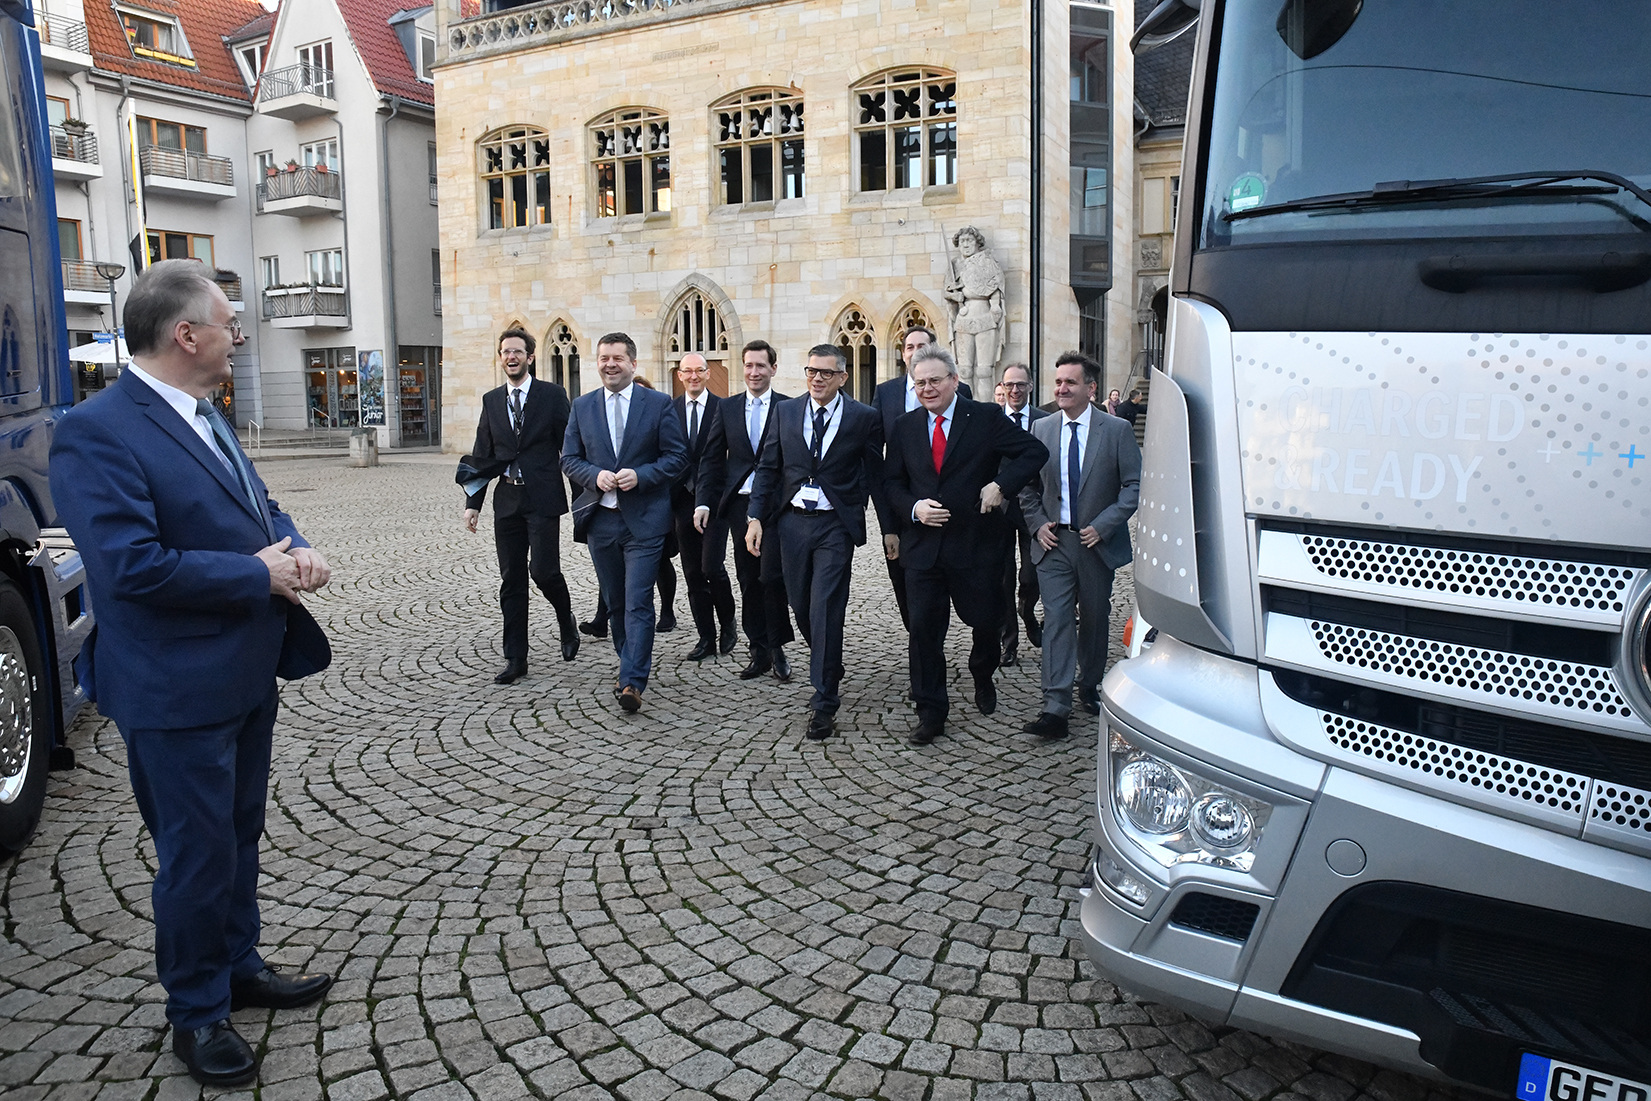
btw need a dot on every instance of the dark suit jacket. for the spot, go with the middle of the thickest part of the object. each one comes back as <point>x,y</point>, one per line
<point>983,446</point>
<point>682,494</point>
<point>728,459</point>
<point>848,470</point>
<point>889,399</point>
<point>1011,507</point>
<point>538,453</point>
<point>188,633</point>
<point>1109,485</point>
<point>654,448</point>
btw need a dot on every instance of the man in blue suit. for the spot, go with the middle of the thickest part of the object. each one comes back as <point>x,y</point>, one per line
<point>196,576</point>
<point>626,448</point>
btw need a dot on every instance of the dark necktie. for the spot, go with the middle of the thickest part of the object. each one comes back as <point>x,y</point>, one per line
<point>515,470</point>
<point>229,453</point>
<point>820,421</point>
<point>1019,419</point>
<point>1073,467</point>
<point>693,422</point>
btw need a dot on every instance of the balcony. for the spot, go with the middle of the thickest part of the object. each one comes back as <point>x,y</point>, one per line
<point>527,28</point>
<point>301,192</point>
<point>63,44</point>
<point>185,174</point>
<point>231,286</point>
<point>74,154</point>
<point>82,285</point>
<point>307,307</point>
<point>297,92</point>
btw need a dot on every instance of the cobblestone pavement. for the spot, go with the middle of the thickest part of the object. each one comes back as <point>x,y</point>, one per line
<point>525,892</point>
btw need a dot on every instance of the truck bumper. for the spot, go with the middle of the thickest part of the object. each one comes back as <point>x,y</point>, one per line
<point>1333,831</point>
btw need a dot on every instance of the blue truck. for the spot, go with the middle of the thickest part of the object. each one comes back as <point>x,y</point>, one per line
<point>44,612</point>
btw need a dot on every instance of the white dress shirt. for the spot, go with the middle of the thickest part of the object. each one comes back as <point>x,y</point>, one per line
<point>1068,491</point>
<point>834,420</point>
<point>184,404</point>
<point>911,395</point>
<point>1024,413</point>
<point>610,499</point>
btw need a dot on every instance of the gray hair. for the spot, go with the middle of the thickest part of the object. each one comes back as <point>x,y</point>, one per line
<point>933,351</point>
<point>821,351</point>
<point>169,292</point>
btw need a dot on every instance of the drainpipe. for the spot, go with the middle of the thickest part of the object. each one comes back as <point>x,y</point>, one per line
<point>392,358</point>
<point>1034,354</point>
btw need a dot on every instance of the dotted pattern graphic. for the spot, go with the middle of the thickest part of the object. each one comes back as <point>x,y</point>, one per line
<point>1517,677</point>
<point>1547,582</point>
<point>1455,765</point>
<point>1623,807</point>
<point>526,894</point>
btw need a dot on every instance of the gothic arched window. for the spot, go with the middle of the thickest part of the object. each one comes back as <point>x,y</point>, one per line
<point>855,336</point>
<point>560,355</point>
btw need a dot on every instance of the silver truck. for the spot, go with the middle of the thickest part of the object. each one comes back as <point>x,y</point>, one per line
<point>1382,782</point>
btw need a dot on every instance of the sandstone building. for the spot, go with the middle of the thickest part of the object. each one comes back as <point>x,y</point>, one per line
<point>703,172</point>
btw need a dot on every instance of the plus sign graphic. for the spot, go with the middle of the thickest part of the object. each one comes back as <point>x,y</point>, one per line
<point>1631,454</point>
<point>1549,452</point>
<point>1591,454</point>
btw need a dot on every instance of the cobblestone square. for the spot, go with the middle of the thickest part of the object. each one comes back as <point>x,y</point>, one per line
<point>526,893</point>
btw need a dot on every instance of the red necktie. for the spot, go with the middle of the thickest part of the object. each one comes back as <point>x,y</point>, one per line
<point>938,444</point>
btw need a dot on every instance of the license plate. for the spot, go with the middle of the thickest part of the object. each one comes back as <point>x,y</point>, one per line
<point>1542,1079</point>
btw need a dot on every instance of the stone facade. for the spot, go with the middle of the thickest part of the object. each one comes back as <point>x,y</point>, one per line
<point>838,263</point>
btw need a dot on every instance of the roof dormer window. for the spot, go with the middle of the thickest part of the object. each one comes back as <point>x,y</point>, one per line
<point>155,37</point>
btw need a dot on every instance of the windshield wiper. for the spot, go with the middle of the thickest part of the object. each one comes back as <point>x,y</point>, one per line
<point>1395,192</point>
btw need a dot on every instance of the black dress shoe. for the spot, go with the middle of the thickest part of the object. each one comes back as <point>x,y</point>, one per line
<point>730,639</point>
<point>269,989</point>
<point>925,733</point>
<point>1009,658</point>
<point>821,725</point>
<point>630,700</point>
<point>1048,726</point>
<point>757,667</point>
<point>985,697</point>
<point>1091,700</point>
<point>667,621</point>
<point>1034,633</point>
<point>706,648</point>
<point>511,673</point>
<point>782,667</point>
<point>570,647</point>
<point>215,1055</point>
<point>594,629</point>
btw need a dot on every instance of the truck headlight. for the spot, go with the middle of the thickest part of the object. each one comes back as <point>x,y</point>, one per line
<point>1178,816</point>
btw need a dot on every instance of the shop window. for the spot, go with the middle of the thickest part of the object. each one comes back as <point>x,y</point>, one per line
<point>905,129</point>
<point>631,162</point>
<point>515,173</point>
<point>759,136</point>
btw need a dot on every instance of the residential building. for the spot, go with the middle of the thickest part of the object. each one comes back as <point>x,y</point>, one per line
<point>702,173</point>
<point>215,130</point>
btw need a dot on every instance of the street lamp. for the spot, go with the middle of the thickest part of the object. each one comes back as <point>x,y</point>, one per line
<point>112,271</point>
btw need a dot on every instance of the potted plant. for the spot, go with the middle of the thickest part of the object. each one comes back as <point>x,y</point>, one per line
<point>76,126</point>
<point>321,167</point>
<point>270,171</point>
<point>292,165</point>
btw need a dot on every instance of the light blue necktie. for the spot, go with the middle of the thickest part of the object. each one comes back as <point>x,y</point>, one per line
<point>754,428</point>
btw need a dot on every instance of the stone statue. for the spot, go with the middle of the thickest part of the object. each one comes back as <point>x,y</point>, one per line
<point>974,299</point>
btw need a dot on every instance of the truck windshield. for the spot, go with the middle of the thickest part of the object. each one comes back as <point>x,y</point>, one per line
<point>1336,119</point>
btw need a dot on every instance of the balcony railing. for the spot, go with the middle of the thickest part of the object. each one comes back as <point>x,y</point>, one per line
<point>179,164</point>
<point>523,28</point>
<point>231,288</point>
<point>305,302</point>
<point>308,182</point>
<point>74,145</point>
<point>66,34</point>
<point>81,275</point>
<point>296,80</point>
<point>435,300</point>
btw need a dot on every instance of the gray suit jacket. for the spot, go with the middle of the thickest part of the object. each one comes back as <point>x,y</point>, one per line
<point>1109,491</point>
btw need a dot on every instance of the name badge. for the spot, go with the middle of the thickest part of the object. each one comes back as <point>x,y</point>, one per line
<point>809,495</point>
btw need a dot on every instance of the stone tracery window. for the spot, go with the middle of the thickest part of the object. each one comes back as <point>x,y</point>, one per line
<point>560,352</point>
<point>759,141</point>
<point>905,129</point>
<point>630,153</point>
<point>697,325</point>
<point>855,336</point>
<point>515,170</point>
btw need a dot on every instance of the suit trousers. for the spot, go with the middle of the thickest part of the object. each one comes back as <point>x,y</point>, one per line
<point>764,613</point>
<point>897,582</point>
<point>626,569</point>
<point>1077,613</point>
<point>710,595</point>
<point>1025,600</point>
<point>529,546</point>
<point>817,553</point>
<point>201,792</point>
<point>976,593</point>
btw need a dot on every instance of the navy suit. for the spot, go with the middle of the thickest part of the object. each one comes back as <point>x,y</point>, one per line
<point>710,595</point>
<point>817,547</point>
<point>184,660</point>
<point>728,460</point>
<point>626,541</point>
<point>961,561</point>
<point>889,399</point>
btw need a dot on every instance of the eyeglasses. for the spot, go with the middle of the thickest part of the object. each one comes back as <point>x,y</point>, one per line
<point>929,383</point>
<point>690,370</point>
<point>1016,385</point>
<point>822,372</point>
<point>234,327</point>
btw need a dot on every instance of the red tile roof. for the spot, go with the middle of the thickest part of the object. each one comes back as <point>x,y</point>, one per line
<point>204,22</point>
<point>376,42</point>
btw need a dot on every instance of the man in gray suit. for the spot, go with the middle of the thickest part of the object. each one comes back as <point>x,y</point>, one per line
<point>1078,511</point>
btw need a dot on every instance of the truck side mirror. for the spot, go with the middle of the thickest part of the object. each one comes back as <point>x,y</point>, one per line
<point>1309,27</point>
